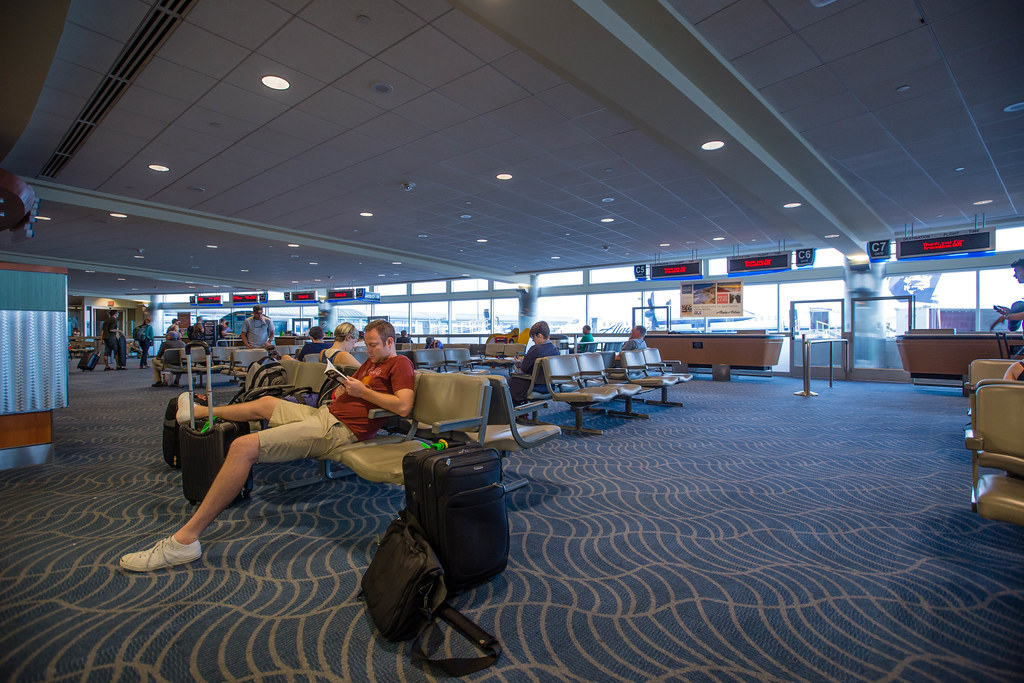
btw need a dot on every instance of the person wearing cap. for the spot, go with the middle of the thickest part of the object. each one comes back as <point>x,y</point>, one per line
<point>173,341</point>
<point>314,346</point>
<point>257,330</point>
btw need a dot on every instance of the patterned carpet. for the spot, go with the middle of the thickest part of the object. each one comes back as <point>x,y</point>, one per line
<point>752,535</point>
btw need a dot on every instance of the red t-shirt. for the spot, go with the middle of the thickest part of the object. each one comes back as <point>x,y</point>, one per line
<point>388,377</point>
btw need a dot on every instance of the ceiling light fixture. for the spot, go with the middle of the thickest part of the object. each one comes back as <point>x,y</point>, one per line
<point>712,145</point>
<point>606,200</point>
<point>159,167</point>
<point>366,214</point>
<point>832,236</point>
<point>396,263</point>
<point>664,244</point>
<point>791,205</point>
<point>245,270</point>
<point>90,271</point>
<point>466,215</point>
<point>959,168</point>
<point>211,246</point>
<point>120,279</point>
<point>293,246</point>
<point>982,202</point>
<point>43,218</point>
<point>481,241</point>
<point>275,82</point>
<point>119,215</point>
<point>607,220</point>
<point>717,239</point>
<point>138,256</point>
<point>314,263</point>
<point>421,236</point>
<point>383,88</point>
<point>504,176</point>
<point>1013,108</point>
<point>903,88</point>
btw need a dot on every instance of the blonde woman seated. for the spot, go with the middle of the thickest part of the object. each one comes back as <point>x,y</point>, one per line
<point>340,352</point>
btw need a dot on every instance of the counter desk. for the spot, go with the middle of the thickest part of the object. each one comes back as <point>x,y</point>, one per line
<point>948,356</point>
<point>720,352</point>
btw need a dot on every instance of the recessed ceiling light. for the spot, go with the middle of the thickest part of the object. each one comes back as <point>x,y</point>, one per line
<point>691,241</point>
<point>421,236</point>
<point>959,168</point>
<point>138,256</point>
<point>711,145</point>
<point>481,241</point>
<point>607,220</point>
<point>382,274</point>
<point>396,263</point>
<point>316,279</point>
<point>43,218</point>
<point>504,176</point>
<point>211,246</point>
<point>791,205</point>
<point>275,83</point>
<point>717,239</point>
<point>159,167</point>
<point>556,257</point>
<point>90,271</point>
<point>1017,106</point>
<point>121,279</point>
<point>981,202</point>
<point>293,245</point>
<point>119,215</point>
<point>314,263</point>
<point>196,188</point>
<point>606,200</point>
<point>383,88</point>
<point>293,256</point>
<point>295,282</point>
<point>664,244</point>
<point>245,270</point>
<point>903,88</point>
<point>466,215</point>
<point>366,214</point>
<point>135,289</point>
<point>832,236</point>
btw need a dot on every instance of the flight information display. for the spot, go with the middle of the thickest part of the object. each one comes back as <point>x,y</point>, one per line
<point>675,271</point>
<point>759,264</point>
<point>341,295</point>
<point>249,298</point>
<point>946,245</point>
<point>205,300</point>
<point>300,296</point>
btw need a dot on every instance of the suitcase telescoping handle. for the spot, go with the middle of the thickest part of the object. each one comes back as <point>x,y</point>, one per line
<point>191,393</point>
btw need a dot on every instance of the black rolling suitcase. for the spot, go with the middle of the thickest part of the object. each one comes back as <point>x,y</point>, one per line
<point>171,442</point>
<point>88,361</point>
<point>459,500</point>
<point>201,451</point>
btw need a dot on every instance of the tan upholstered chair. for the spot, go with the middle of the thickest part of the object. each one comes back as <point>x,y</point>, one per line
<point>997,442</point>
<point>983,370</point>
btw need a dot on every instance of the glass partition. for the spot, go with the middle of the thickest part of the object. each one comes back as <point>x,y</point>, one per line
<point>876,322</point>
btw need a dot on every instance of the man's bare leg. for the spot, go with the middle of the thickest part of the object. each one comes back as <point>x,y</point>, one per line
<point>242,455</point>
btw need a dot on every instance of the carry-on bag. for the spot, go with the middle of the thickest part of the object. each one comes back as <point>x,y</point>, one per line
<point>459,500</point>
<point>404,590</point>
<point>171,443</point>
<point>202,451</point>
<point>88,361</point>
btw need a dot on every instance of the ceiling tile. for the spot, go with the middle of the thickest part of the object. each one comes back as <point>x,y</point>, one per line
<point>471,35</point>
<point>742,27</point>
<point>860,26</point>
<point>803,88</point>
<point>202,51</point>
<point>248,23</point>
<point>237,103</point>
<point>448,60</point>
<point>87,49</point>
<point>484,90</point>
<point>776,61</point>
<point>302,46</point>
<point>360,81</point>
<point>387,22</point>
<point>526,72</point>
<point>434,110</point>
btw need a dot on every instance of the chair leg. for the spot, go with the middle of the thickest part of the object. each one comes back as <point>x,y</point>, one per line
<point>664,400</point>
<point>628,412</point>
<point>579,428</point>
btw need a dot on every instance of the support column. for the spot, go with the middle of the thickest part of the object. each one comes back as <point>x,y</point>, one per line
<point>528,304</point>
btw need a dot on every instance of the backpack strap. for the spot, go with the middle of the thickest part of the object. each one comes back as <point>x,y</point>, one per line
<point>460,666</point>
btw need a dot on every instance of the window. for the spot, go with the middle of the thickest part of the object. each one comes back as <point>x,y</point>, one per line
<point>1010,239</point>
<point>392,290</point>
<point>569,277</point>
<point>718,266</point>
<point>941,300</point>
<point>806,291</point>
<point>469,285</point>
<point>613,313</point>
<point>504,314</point>
<point>428,317</point>
<point>398,314</point>
<point>619,274</point>
<point>825,258</point>
<point>564,314</point>
<point>998,288</point>
<point>436,287</point>
<point>505,285</point>
<point>471,317</point>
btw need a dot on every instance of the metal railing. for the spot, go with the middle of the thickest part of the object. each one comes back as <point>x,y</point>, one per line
<point>807,343</point>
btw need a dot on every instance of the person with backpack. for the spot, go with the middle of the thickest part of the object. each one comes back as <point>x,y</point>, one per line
<point>114,343</point>
<point>143,336</point>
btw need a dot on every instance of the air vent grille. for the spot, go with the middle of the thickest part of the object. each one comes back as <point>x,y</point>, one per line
<point>157,26</point>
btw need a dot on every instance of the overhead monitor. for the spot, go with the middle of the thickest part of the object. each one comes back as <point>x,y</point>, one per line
<point>341,295</point>
<point>249,298</point>
<point>205,300</point>
<point>676,271</point>
<point>944,245</point>
<point>300,296</point>
<point>768,263</point>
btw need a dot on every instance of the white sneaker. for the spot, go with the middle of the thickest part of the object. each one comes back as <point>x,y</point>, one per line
<point>182,414</point>
<point>166,553</point>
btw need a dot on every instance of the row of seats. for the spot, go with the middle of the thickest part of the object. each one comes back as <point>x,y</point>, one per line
<point>996,441</point>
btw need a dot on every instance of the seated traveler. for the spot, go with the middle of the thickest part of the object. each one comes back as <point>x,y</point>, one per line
<point>635,341</point>
<point>587,342</point>
<point>157,362</point>
<point>340,352</point>
<point>314,346</point>
<point>431,343</point>
<point>403,338</point>
<point>296,431</point>
<point>520,387</point>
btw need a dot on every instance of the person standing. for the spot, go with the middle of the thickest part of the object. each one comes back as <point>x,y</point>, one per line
<point>114,343</point>
<point>198,331</point>
<point>1012,315</point>
<point>144,337</point>
<point>258,330</point>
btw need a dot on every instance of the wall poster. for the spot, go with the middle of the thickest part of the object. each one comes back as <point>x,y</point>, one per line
<point>711,299</point>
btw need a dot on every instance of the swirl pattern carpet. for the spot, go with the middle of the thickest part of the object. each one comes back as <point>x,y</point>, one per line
<point>750,535</point>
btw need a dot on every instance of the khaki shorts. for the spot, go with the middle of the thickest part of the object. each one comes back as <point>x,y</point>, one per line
<point>299,431</point>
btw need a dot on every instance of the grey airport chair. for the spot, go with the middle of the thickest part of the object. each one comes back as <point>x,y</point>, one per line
<point>594,374</point>
<point>429,359</point>
<point>562,375</point>
<point>634,369</point>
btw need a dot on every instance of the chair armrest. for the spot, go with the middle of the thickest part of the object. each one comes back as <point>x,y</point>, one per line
<point>450,425</point>
<point>529,407</point>
<point>520,375</point>
<point>375,413</point>
<point>973,442</point>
